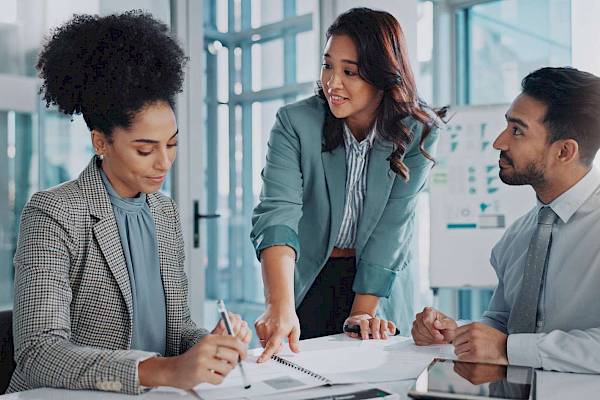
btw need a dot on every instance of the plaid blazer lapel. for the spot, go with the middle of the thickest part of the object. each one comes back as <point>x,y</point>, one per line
<point>105,230</point>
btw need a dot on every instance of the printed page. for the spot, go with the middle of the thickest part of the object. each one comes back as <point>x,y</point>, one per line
<point>266,378</point>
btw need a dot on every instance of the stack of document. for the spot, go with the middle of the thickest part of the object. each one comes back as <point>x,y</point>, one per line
<point>330,360</point>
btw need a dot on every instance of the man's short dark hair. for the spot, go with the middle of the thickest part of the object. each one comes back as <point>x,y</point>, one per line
<point>573,101</point>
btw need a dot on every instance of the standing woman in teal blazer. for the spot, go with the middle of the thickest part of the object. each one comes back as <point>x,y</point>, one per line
<point>335,222</point>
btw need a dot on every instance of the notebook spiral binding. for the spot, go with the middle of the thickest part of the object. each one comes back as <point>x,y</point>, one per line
<point>300,368</point>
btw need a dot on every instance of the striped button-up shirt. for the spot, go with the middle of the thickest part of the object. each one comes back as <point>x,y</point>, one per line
<point>357,160</point>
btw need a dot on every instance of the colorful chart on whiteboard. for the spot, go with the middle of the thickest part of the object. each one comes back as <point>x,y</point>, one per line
<point>470,205</point>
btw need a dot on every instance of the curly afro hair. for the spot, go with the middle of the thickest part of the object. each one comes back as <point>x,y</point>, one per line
<point>109,68</point>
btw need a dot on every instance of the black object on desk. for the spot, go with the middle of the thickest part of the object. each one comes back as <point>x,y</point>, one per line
<point>360,395</point>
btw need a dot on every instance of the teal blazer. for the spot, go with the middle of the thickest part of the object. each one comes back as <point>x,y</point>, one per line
<point>302,200</point>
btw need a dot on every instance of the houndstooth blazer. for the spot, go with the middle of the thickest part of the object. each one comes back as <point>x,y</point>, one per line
<point>73,303</point>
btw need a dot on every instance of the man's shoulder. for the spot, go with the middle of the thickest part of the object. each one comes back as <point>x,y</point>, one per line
<point>521,229</point>
<point>527,220</point>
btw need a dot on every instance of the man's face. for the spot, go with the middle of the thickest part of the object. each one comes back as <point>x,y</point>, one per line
<point>524,143</point>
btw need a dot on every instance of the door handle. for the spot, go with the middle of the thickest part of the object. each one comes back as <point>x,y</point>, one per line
<point>197,218</point>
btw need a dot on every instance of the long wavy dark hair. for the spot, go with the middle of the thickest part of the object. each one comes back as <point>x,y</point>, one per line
<point>383,63</point>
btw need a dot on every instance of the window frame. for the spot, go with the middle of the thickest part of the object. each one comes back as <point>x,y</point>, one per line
<point>243,288</point>
<point>450,49</point>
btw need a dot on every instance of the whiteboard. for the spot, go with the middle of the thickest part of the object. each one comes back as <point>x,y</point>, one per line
<point>470,206</point>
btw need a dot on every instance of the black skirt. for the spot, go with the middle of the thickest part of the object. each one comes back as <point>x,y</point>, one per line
<point>328,302</point>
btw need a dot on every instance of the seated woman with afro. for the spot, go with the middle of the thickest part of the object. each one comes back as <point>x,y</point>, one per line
<point>100,290</point>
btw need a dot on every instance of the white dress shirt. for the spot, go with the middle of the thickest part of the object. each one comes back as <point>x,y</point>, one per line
<point>567,337</point>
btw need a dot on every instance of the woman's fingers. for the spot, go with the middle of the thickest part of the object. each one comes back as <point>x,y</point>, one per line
<point>221,367</point>
<point>219,328</point>
<point>391,328</point>
<point>245,334</point>
<point>227,355</point>
<point>375,327</point>
<point>242,330</point>
<point>236,324</point>
<point>364,329</point>
<point>383,329</point>
<point>371,327</point>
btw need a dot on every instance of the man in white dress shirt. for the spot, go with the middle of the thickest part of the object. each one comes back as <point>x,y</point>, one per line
<point>545,311</point>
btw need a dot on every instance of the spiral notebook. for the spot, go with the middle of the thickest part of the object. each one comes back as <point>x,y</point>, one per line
<point>325,361</point>
<point>277,375</point>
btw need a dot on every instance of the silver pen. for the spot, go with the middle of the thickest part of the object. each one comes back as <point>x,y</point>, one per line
<point>225,317</point>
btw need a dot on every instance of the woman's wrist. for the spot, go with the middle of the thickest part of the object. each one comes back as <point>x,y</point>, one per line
<point>278,277</point>
<point>364,304</point>
<point>280,303</point>
<point>155,371</point>
<point>361,312</point>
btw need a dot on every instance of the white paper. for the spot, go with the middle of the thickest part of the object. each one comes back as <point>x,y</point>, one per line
<point>270,377</point>
<point>370,360</point>
<point>338,358</point>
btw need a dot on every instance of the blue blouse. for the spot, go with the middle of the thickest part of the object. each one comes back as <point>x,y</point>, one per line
<point>138,237</point>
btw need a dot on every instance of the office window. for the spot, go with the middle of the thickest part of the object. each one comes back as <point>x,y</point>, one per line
<point>499,42</point>
<point>18,180</point>
<point>424,72</point>
<point>39,147</point>
<point>260,55</point>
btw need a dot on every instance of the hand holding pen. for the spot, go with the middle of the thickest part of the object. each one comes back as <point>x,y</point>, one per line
<point>228,327</point>
<point>366,327</point>
<point>238,325</point>
<point>208,361</point>
<point>355,331</point>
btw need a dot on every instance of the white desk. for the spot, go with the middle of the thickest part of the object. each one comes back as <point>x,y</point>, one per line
<point>555,386</point>
<point>550,385</point>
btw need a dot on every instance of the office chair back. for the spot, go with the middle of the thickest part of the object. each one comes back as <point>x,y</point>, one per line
<point>7,362</point>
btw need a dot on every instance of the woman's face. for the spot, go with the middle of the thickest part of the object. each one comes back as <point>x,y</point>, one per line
<point>349,96</point>
<point>137,159</point>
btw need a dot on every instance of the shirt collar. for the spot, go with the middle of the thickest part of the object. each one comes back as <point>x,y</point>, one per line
<point>124,203</point>
<point>351,141</point>
<point>569,202</point>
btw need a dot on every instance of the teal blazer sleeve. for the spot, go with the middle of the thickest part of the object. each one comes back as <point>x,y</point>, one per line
<point>386,251</point>
<point>275,219</point>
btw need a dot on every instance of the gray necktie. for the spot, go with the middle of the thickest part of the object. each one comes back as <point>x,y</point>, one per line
<point>523,316</point>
